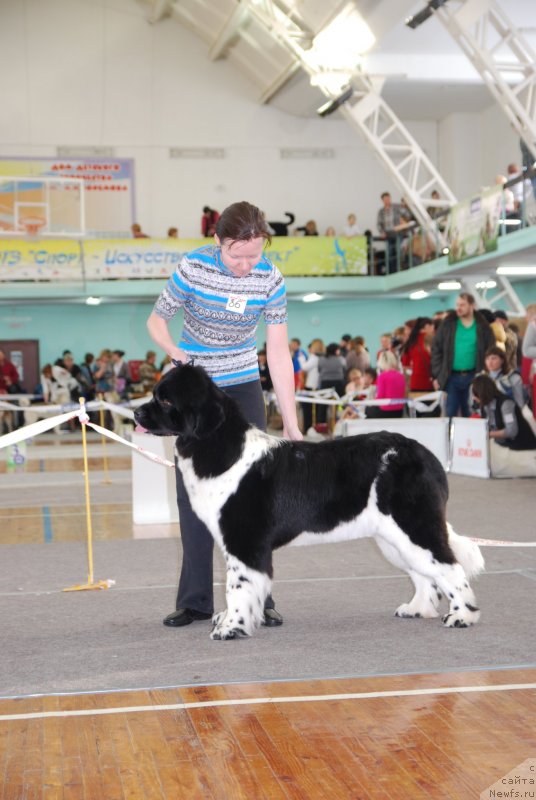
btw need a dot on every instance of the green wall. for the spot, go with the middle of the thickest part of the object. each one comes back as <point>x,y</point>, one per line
<point>84,328</point>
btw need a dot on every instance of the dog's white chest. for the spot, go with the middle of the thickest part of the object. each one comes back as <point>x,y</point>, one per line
<point>209,495</point>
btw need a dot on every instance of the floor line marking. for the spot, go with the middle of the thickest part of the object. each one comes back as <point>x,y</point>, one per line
<point>47,525</point>
<point>338,579</point>
<point>89,712</point>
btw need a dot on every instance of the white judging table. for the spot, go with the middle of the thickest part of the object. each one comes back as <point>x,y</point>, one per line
<point>153,485</point>
<point>432,433</point>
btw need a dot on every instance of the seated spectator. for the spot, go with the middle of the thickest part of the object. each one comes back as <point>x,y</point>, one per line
<point>330,231</point>
<point>509,383</point>
<point>355,381</point>
<point>370,376</point>
<point>512,442</point>
<point>48,387</point>
<point>208,221</point>
<point>173,233</point>
<point>148,371</point>
<point>68,386</point>
<point>351,228</point>
<point>391,384</point>
<point>309,229</point>
<point>104,374</point>
<point>137,232</point>
<point>9,376</point>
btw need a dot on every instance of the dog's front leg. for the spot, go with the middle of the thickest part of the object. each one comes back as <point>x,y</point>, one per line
<point>247,589</point>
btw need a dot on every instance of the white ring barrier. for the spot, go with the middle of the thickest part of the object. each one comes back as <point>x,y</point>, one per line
<point>432,433</point>
<point>168,509</point>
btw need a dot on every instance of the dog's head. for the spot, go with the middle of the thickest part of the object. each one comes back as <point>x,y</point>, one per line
<point>186,403</point>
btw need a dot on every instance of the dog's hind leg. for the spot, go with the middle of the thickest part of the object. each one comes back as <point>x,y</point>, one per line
<point>425,602</point>
<point>246,591</point>
<point>453,582</point>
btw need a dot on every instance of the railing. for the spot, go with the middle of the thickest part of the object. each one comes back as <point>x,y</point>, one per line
<point>414,245</point>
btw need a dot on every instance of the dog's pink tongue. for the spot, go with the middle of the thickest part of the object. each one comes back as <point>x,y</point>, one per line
<point>140,429</point>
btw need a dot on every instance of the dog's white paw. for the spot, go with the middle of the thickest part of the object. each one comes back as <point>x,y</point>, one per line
<point>408,611</point>
<point>461,619</point>
<point>226,627</point>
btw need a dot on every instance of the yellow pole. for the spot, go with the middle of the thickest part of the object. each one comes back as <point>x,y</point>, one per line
<point>89,584</point>
<point>88,504</point>
<point>106,478</point>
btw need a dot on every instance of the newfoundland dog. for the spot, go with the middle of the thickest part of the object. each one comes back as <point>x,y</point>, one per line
<point>255,492</point>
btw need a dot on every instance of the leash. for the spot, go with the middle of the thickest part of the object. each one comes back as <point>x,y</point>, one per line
<point>42,425</point>
<point>499,543</point>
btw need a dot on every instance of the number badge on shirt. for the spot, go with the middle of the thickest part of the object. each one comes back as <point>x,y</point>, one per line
<point>236,304</point>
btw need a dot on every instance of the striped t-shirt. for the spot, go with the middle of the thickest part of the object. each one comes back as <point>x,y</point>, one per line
<point>222,311</point>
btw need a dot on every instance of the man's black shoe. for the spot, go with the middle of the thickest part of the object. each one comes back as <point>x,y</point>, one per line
<point>184,616</point>
<point>272,618</point>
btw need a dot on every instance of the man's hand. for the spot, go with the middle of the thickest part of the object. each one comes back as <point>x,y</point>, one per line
<point>435,384</point>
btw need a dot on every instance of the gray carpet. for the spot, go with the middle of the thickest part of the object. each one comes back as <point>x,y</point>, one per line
<point>337,601</point>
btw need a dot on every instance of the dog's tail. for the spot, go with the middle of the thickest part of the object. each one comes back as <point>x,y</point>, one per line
<point>467,553</point>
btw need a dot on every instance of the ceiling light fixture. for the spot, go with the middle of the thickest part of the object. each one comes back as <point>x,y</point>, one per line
<point>449,286</point>
<point>93,301</point>
<point>486,285</point>
<point>513,270</point>
<point>313,297</point>
<point>420,294</point>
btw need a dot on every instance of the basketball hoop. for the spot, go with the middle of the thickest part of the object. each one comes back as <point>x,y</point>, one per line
<point>31,225</point>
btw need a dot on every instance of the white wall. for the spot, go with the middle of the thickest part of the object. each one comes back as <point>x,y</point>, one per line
<point>95,72</point>
<point>83,72</point>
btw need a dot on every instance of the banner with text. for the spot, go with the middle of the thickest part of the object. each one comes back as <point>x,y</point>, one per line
<point>109,193</point>
<point>101,259</point>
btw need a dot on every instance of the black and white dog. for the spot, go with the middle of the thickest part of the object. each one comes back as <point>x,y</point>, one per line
<point>255,493</point>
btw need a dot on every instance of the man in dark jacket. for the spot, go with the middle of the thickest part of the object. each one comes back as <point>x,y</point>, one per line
<point>458,353</point>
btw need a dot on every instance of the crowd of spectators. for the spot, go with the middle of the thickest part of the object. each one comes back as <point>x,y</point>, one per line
<point>451,352</point>
<point>477,357</point>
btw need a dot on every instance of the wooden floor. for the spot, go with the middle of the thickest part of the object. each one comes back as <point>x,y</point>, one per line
<point>411,737</point>
<point>440,741</point>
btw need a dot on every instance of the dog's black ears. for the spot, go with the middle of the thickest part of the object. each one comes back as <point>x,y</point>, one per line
<point>198,424</point>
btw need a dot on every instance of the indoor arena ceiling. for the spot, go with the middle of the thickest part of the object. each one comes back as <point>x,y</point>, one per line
<point>426,75</point>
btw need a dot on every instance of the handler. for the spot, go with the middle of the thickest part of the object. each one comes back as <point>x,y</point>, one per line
<point>223,290</point>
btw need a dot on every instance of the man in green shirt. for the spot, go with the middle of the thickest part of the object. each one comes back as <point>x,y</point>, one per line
<point>458,353</point>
